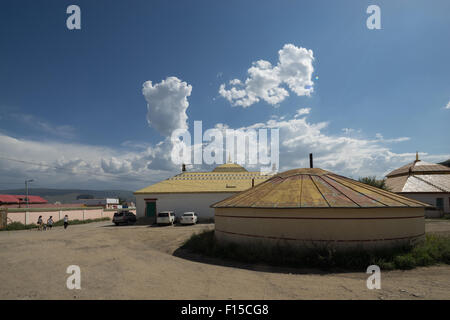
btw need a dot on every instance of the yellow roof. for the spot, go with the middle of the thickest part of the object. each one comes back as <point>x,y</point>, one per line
<point>315,188</point>
<point>229,178</point>
<point>230,167</point>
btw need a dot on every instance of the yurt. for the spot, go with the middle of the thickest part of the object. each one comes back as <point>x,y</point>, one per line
<point>317,207</point>
<point>423,181</point>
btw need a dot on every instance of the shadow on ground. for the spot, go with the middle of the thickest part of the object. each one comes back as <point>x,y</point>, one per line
<point>188,255</point>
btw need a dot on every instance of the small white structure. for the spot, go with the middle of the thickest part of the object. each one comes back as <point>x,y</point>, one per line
<point>423,181</point>
<point>195,191</point>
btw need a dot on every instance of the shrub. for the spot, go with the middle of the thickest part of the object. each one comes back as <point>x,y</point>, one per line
<point>405,261</point>
<point>19,226</point>
<point>373,181</point>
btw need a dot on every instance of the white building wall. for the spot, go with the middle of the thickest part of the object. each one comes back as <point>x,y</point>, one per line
<point>182,202</point>
<point>430,198</point>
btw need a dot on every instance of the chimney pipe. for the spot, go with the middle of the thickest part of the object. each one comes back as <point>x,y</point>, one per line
<point>253,182</point>
<point>311,160</point>
<point>183,167</point>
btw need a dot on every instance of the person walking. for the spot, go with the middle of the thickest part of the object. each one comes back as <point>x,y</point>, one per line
<point>50,222</point>
<point>66,221</point>
<point>40,223</point>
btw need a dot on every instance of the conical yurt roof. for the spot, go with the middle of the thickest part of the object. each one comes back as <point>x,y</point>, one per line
<point>419,167</point>
<point>315,188</point>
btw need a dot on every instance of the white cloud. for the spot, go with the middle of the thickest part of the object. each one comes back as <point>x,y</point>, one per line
<point>70,165</point>
<point>135,144</point>
<point>266,82</point>
<point>344,155</point>
<point>447,106</point>
<point>167,104</point>
<point>42,126</point>
<point>221,126</point>
<point>350,130</point>
<point>114,165</point>
<point>302,111</point>
<point>379,137</point>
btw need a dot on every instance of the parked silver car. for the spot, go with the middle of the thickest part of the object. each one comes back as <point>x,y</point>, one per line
<point>189,218</point>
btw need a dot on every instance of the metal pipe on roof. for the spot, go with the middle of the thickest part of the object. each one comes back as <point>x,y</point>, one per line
<point>311,160</point>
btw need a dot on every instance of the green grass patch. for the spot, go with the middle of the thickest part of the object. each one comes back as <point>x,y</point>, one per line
<point>20,226</point>
<point>434,249</point>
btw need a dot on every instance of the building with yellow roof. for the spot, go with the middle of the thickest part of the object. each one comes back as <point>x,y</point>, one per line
<point>195,191</point>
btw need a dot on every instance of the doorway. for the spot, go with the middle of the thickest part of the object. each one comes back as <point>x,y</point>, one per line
<point>150,209</point>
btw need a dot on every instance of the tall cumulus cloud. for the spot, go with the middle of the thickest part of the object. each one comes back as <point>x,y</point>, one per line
<point>167,104</point>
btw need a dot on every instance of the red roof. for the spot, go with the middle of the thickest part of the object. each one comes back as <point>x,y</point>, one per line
<point>34,199</point>
<point>7,198</point>
<point>43,205</point>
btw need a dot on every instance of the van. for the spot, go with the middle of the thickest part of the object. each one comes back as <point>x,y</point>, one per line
<point>165,217</point>
<point>124,217</point>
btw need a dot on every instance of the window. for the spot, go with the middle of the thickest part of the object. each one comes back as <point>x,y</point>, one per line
<point>440,203</point>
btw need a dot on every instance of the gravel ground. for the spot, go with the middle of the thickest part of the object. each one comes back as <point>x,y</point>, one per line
<point>142,262</point>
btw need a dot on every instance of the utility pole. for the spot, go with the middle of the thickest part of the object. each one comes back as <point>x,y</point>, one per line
<point>26,187</point>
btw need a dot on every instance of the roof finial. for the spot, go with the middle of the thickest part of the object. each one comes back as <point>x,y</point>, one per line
<point>417,155</point>
<point>229,157</point>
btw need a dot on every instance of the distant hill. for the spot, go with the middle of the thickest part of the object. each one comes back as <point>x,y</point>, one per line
<point>70,195</point>
<point>446,163</point>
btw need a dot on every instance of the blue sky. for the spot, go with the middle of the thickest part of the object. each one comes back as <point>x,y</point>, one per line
<point>83,88</point>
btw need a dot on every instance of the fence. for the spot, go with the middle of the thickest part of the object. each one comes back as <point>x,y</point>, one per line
<point>31,215</point>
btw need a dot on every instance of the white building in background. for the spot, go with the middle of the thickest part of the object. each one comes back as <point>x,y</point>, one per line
<point>195,191</point>
<point>107,203</point>
<point>423,181</point>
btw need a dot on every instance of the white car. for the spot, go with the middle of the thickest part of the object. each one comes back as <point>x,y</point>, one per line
<point>165,217</point>
<point>189,218</point>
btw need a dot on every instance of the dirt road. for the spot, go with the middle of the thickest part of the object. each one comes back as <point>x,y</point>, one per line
<point>137,262</point>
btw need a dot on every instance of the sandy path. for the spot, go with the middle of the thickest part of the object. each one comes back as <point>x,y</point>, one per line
<point>136,262</point>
